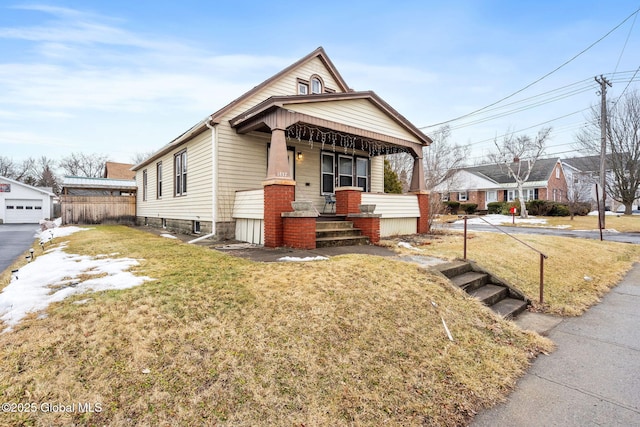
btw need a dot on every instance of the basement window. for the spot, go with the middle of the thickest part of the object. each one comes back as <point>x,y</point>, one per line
<point>196,227</point>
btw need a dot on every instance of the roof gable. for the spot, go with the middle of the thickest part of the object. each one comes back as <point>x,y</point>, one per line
<point>318,55</point>
<point>30,187</point>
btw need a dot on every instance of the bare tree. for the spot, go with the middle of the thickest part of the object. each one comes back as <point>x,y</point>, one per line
<point>43,172</point>
<point>517,155</point>
<point>85,165</point>
<point>138,158</point>
<point>7,167</point>
<point>623,147</point>
<point>579,187</point>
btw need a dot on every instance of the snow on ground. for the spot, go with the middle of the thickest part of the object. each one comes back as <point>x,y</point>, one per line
<point>305,259</point>
<point>168,236</point>
<point>496,219</point>
<point>54,276</point>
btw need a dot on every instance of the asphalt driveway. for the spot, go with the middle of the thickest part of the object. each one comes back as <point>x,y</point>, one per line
<point>14,240</point>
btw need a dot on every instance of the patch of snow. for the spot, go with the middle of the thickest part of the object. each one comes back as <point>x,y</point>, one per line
<point>54,276</point>
<point>497,219</point>
<point>409,246</point>
<point>305,259</point>
<point>168,236</point>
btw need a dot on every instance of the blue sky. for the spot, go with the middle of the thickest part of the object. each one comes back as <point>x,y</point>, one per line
<point>125,77</point>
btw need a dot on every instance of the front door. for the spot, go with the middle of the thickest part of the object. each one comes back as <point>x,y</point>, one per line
<point>490,196</point>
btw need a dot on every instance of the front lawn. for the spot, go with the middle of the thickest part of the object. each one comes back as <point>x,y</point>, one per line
<point>216,340</point>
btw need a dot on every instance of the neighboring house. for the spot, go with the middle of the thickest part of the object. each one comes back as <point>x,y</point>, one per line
<point>115,170</point>
<point>98,200</point>
<point>302,134</point>
<point>491,183</point>
<point>583,173</point>
<point>22,203</point>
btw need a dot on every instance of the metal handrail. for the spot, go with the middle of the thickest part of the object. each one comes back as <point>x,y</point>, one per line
<point>542,255</point>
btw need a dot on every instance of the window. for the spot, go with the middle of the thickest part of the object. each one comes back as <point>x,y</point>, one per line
<point>362,173</point>
<point>144,185</point>
<point>463,196</point>
<point>159,180</point>
<point>196,227</point>
<point>557,172</point>
<point>529,194</point>
<point>512,195</point>
<point>345,171</point>
<point>316,84</point>
<point>328,168</point>
<point>303,87</point>
<point>444,197</point>
<point>180,169</point>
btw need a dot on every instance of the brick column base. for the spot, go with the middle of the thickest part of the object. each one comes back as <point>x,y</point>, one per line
<point>423,204</point>
<point>369,225</point>
<point>299,231</point>
<point>277,199</point>
<point>348,200</point>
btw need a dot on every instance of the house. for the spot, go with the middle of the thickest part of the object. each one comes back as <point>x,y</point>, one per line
<point>86,200</point>
<point>491,183</point>
<point>22,203</point>
<point>582,176</point>
<point>115,170</point>
<point>301,135</point>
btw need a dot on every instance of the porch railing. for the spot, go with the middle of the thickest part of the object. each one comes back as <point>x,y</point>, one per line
<point>542,255</point>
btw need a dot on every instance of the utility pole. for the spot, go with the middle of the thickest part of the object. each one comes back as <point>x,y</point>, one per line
<point>603,82</point>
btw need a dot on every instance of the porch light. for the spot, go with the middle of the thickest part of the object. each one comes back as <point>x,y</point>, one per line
<point>299,155</point>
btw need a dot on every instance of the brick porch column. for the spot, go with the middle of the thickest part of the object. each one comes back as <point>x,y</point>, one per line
<point>278,196</point>
<point>348,200</point>
<point>423,204</point>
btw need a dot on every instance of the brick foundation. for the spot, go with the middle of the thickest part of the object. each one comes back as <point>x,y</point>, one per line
<point>277,199</point>
<point>299,232</point>
<point>369,225</point>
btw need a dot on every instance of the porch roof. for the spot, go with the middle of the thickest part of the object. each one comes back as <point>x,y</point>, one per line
<point>277,112</point>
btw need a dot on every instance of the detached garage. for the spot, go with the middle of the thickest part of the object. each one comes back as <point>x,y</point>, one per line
<point>23,204</point>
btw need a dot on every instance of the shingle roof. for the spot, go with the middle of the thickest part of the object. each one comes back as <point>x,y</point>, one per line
<point>542,170</point>
<point>585,164</point>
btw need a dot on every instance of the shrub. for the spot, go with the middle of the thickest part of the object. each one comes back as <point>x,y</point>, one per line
<point>495,207</point>
<point>539,207</point>
<point>559,209</point>
<point>582,208</point>
<point>469,208</point>
<point>506,207</point>
<point>452,207</point>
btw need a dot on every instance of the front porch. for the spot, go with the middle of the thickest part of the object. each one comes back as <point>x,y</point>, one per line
<point>344,160</point>
<point>268,213</point>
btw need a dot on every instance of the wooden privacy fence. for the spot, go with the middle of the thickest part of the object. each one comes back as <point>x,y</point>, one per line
<point>98,209</point>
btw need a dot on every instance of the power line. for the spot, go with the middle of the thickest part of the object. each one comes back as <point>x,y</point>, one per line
<point>538,80</point>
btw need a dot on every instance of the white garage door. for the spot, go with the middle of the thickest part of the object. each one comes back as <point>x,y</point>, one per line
<point>23,211</point>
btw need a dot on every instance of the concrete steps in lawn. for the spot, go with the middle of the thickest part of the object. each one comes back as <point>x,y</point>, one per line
<point>491,291</point>
<point>338,232</point>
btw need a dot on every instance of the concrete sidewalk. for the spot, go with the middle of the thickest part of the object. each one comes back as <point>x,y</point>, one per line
<point>593,378</point>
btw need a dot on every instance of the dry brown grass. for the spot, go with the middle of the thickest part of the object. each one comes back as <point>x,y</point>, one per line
<point>219,340</point>
<point>576,274</point>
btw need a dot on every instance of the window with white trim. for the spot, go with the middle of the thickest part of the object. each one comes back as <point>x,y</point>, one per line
<point>362,173</point>
<point>180,173</point>
<point>316,84</point>
<point>463,196</point>
<point>159,180</point>
<point>144,185</point>
<point>444,197</point>
<point>303,87</point>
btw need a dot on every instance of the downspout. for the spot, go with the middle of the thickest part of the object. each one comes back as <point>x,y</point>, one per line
<point>214,181</point>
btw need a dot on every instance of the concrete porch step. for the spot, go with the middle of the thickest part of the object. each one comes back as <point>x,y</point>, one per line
<point>471,280</point>
<point>326,242</point>
<point>509,307</point>
<point>333,225</point>
<point>490,294</point>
